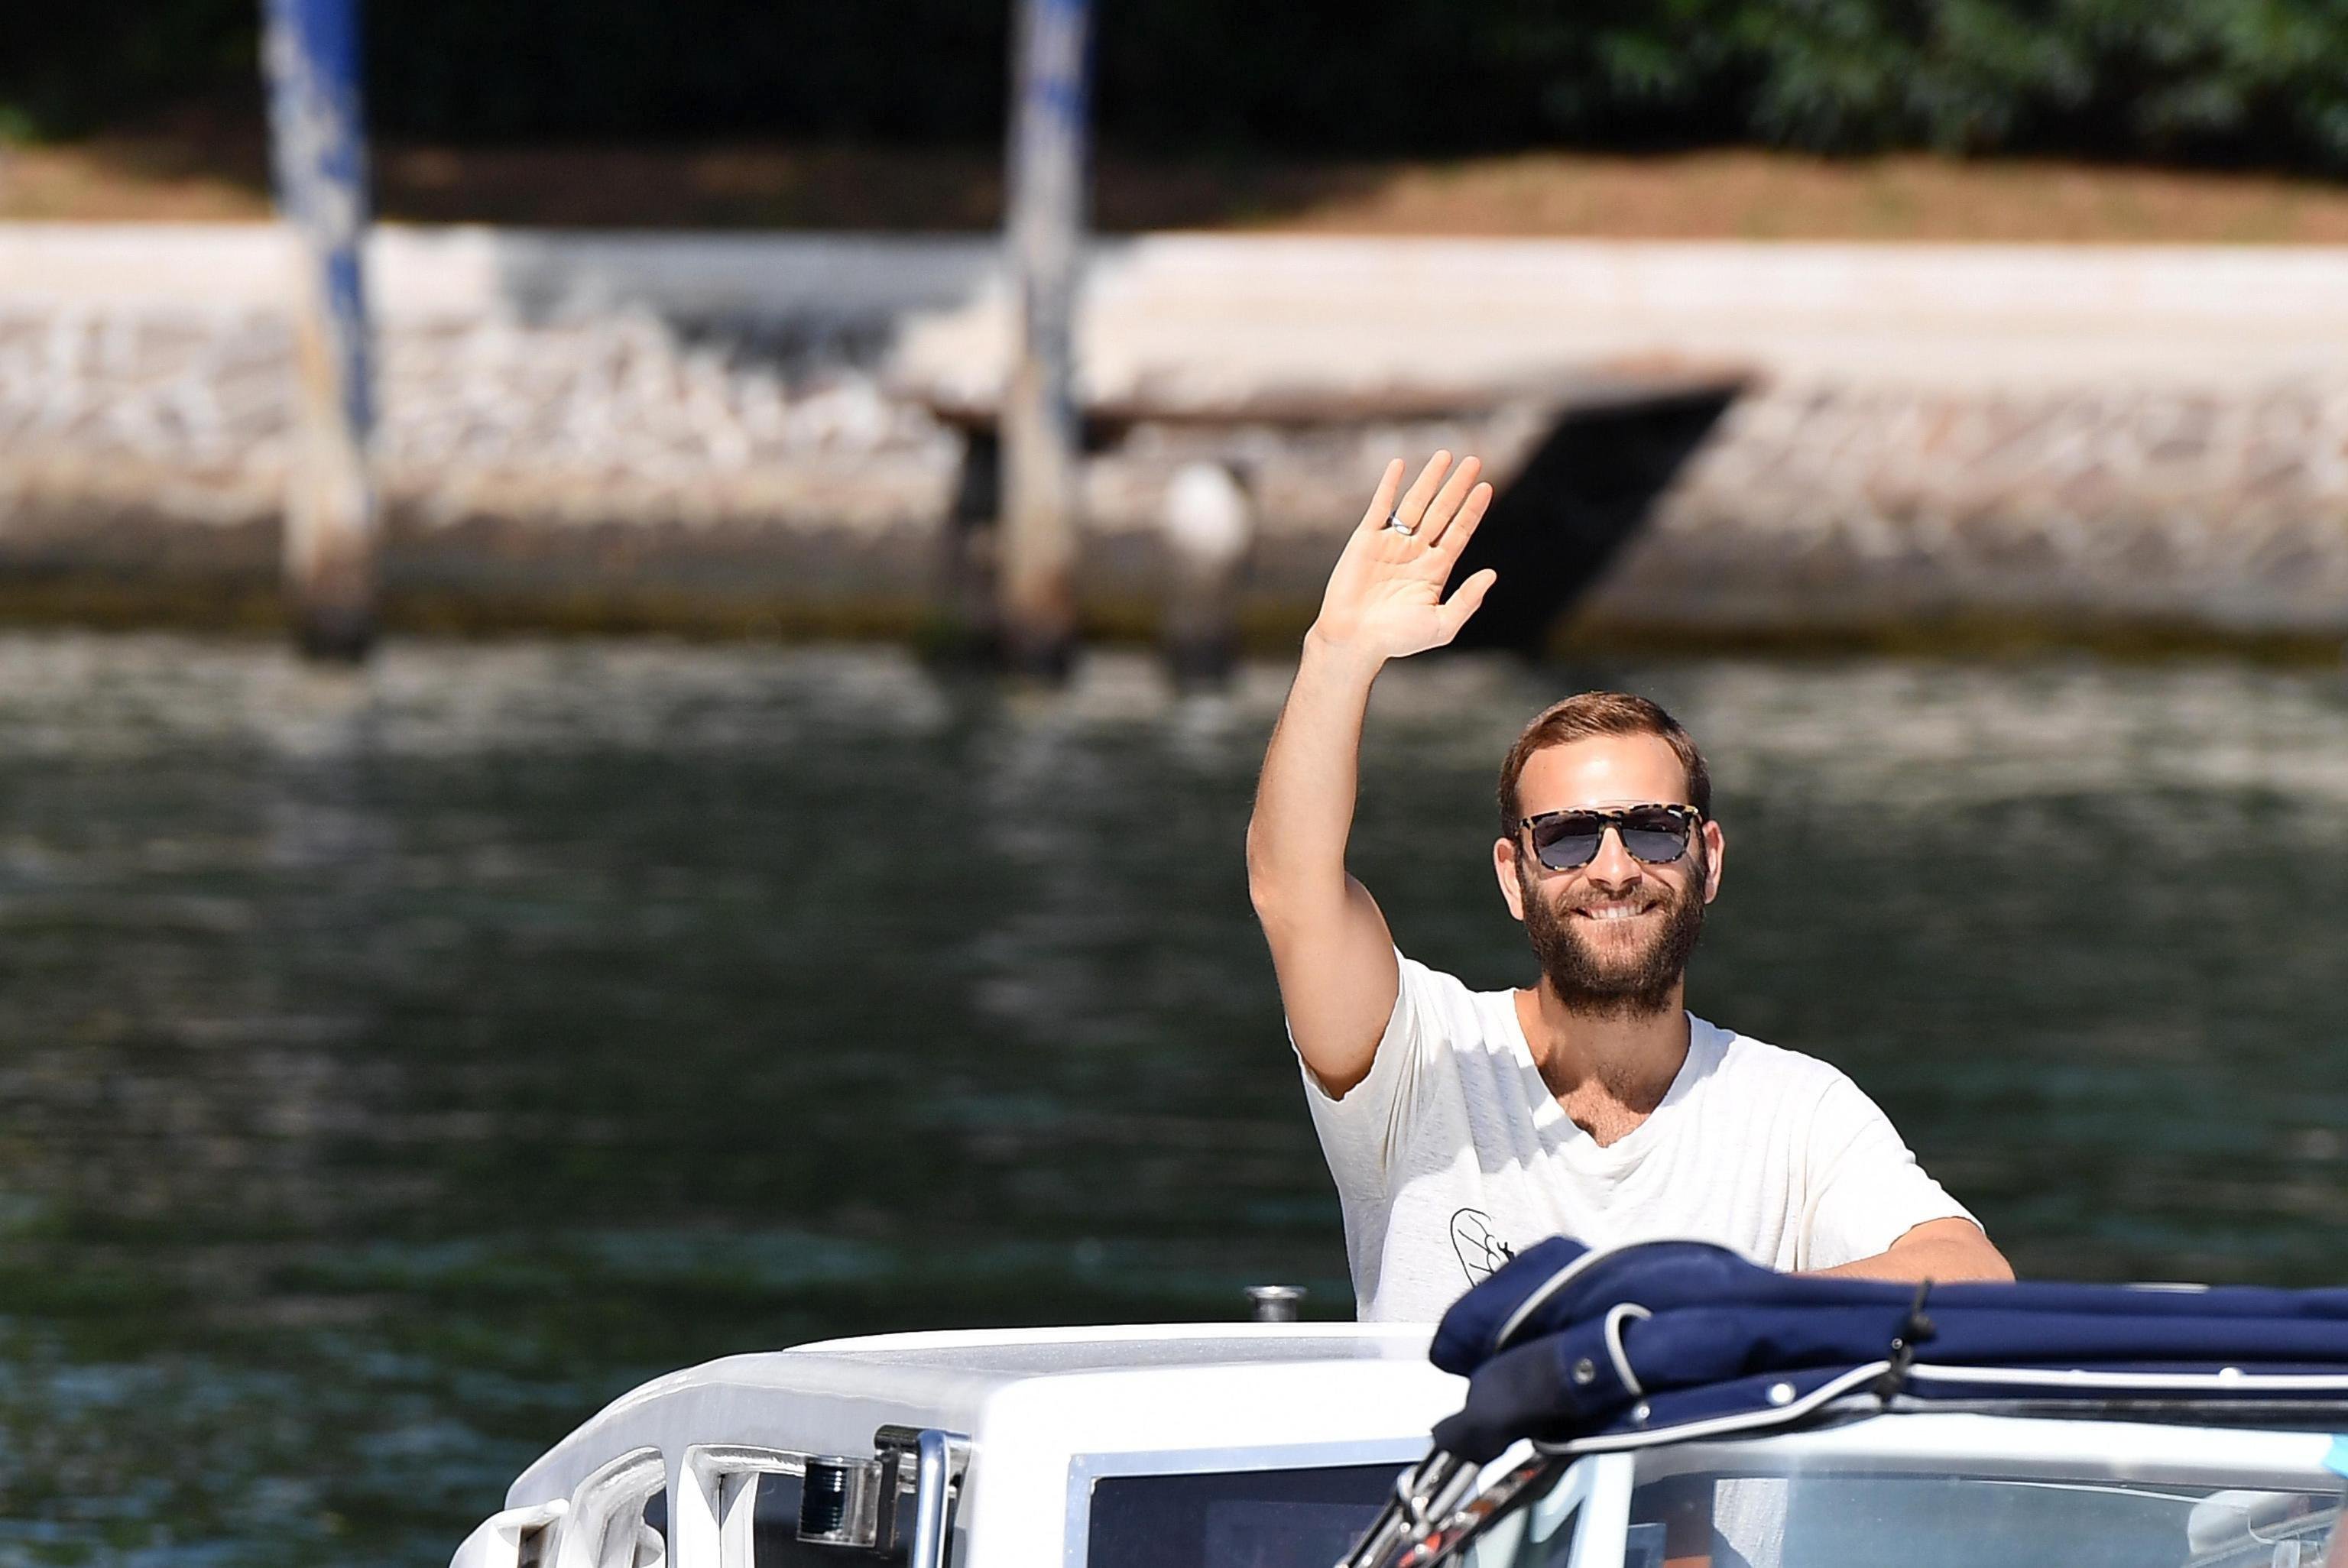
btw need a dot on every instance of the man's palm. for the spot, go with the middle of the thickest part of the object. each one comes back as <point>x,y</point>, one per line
<point>1385,597</point>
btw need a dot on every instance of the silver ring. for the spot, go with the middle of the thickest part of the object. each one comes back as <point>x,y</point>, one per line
<point>1396,524</point>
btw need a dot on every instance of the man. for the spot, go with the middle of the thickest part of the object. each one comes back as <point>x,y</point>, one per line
<point>1462,1126</point>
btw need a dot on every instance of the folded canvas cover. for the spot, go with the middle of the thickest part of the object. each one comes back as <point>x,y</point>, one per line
<point>1585,1350</point>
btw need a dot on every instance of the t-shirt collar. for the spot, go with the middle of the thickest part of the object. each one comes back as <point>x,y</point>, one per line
<point>1706,1044</point>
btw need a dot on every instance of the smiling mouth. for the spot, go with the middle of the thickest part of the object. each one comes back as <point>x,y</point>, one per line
<point>1608,913</point>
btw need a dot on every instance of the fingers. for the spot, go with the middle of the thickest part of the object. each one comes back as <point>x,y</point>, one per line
<point>1442,506</point>
<point>1382,501</point>
<point>1415,500</point>
<point>1455,532</point>
<point>1466,601</point>
<point>1448,501</point>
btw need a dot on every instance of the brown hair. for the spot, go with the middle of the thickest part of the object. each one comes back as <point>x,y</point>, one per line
<point>1600,713</point>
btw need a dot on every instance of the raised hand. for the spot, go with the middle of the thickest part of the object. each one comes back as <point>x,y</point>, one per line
<point>1384,599</point>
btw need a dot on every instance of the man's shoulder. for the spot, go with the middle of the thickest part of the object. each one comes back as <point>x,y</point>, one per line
<point>1430,981</point>
<point>1452,1009</point>
<point>1755,1066</point>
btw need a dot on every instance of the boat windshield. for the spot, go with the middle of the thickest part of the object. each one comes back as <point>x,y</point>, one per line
<point>1235,1519</point>
<point>2108,1510</point>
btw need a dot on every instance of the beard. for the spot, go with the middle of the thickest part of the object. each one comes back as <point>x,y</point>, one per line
<point>1615,981</point>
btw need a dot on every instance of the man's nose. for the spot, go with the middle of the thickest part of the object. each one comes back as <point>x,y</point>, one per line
<point>1613,868</point>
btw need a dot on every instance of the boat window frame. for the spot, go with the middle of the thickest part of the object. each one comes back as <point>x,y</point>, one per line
<point>2054,1445</point>
<point>610,1489</point>
<point>714,1528</point>
<point>1597,1488</point>
<point>1594,1491</point>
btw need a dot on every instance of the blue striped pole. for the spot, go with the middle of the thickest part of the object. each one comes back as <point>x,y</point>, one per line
<point>1041,431</point>
<point>311,57</point>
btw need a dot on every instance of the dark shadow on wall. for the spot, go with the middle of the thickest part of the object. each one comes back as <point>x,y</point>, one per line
<point>1587,489</point>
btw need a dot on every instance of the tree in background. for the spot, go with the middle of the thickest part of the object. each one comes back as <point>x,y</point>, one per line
<point>2248,82</point>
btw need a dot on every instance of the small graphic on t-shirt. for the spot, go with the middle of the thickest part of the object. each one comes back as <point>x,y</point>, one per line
<point>1480,1250</point>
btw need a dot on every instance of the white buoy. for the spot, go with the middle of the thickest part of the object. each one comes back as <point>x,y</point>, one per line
<point>1207,527</point>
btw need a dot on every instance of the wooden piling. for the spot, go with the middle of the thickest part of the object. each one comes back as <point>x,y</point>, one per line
<point>311,57</point>
<point>1041,434</point>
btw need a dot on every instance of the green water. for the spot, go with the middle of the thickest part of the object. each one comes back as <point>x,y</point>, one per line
<point>397,1067</point>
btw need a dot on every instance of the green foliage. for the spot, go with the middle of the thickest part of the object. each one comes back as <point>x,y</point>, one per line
<point>2252,81</point>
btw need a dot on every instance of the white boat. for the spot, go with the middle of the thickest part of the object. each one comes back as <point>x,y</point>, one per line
<point>993,1448</point>
<point>1981,1489</point>
<point>1652,1412</point>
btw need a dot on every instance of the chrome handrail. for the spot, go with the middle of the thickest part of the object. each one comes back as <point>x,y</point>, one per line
<point>935,1469</point>
<point>1437,1511</point>
<point>939,1459</point>
<point>1423,1492</point>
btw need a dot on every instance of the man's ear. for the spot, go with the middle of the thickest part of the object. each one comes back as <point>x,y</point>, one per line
<point>1504,866</point>
<point>1716,845</point>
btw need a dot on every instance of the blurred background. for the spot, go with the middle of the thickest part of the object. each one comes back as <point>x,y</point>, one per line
<point>631,660</point>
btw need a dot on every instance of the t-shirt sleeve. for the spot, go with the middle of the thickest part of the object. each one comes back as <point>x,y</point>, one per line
<point>1364,1130</point>
<point>1866,1191</point>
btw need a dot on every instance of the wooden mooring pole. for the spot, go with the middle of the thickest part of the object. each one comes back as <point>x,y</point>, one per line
<point>1036,543</point>
<point>310,56</point>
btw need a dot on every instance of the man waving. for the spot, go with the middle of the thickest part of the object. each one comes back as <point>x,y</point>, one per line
<point>1461,1125</point>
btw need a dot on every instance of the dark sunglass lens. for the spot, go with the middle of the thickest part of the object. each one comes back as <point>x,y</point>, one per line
<point>1657,838</point>
<point>1653,846</point>
<point>1567,841</point>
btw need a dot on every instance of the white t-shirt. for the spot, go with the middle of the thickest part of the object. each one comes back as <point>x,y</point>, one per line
<point>1452,1155</point>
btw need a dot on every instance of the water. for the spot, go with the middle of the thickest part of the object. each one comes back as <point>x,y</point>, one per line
<point>397,1067</point>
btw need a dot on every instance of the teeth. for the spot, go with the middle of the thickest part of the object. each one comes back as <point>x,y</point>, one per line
<point>1611,912</point>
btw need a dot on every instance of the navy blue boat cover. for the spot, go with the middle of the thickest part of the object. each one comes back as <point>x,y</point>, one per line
<point>1589,1349</point>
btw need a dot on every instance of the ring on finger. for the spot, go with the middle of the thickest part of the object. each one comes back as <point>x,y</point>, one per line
<point>1396,525</point>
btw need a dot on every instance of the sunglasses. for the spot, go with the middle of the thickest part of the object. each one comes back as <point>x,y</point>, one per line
<point>1653,834</point>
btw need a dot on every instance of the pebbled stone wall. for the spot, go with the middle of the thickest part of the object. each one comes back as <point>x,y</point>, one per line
<point>616,466</point>
<point>1829,506</point>
<point>673,435</point>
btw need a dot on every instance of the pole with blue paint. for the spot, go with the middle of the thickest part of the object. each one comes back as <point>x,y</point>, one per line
<point>1041,431</point>
<point>311,57</point>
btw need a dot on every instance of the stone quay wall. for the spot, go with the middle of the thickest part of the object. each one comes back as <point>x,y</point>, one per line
<point>741,432</point>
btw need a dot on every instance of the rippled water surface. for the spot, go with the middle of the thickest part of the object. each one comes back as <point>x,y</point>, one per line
<point>396,1067</point>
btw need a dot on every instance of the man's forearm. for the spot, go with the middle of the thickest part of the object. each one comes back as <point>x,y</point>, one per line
<point>1304,801</point>
<point>1944,1251</point>
<point>1330,946</point>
